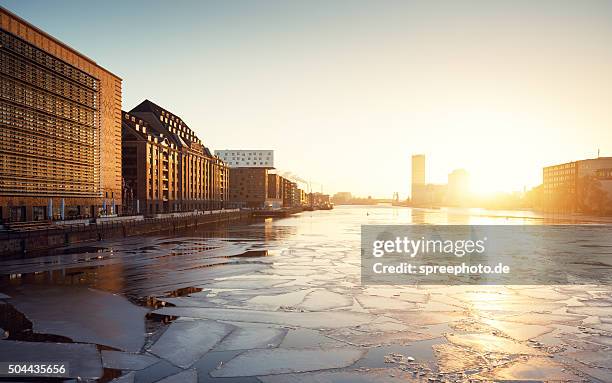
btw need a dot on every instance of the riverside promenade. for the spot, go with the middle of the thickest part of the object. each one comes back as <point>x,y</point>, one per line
<point>23,239</point>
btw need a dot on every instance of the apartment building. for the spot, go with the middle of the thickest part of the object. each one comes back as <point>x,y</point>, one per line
<point>167,167</point>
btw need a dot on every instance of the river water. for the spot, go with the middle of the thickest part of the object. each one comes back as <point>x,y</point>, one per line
<point>281,301</point>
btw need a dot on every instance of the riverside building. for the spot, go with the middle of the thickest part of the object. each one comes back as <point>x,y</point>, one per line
<point>60,128</point>
<point>583,185</point>
<point>251,185</point>
<point>167,168</point>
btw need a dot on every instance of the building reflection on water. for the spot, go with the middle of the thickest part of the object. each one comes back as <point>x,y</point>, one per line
<point>137,267</point>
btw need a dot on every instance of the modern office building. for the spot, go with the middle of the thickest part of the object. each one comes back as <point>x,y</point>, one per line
<point>60,128</point>
<point>584,185</point>
<point>249,180</point>
<point>167,168</point>
<point>418,187</point>
<point>247,158</point>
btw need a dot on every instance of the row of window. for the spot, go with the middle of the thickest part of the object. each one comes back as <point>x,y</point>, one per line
<point>40,188</point>
<point>47,80</point>
<point>43,58</point>
<point>28,144</point>
<point>248,163</point>
<point>28,96</point>
<point>45,125</point>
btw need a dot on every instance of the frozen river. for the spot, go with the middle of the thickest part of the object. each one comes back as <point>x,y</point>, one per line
<point>281,301</point>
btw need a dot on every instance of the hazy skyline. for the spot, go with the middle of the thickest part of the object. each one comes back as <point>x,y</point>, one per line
<point>346,91</point>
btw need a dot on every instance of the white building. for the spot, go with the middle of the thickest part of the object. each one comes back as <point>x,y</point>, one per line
<point>247,158</point>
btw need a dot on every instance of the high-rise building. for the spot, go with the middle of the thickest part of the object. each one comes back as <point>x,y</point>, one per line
<point>60,128</point>
<point>167,168</point>
<point>418,169</point>
<point>458,188</point>
<point>418,179</point>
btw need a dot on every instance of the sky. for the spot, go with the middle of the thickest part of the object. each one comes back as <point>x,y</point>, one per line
<point>345,92</point>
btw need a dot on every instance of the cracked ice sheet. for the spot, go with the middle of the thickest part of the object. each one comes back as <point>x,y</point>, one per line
<point>126,378</point>
<point>187,376</point>
<point>372,302</point>
<point>284,361</point>
<point>591,310</point>
<point>244,283</point>
<point>518,331</point>
<point>491,343</point>
<point>505,302</point>
<point>320,300</point>
<point>371,376</point>
<point>83,359</point>
<point>273,302</point>
<point>542,293</point>
<point>251,337</point>
<point>83,315</point>
<point>313,320</point>
<point>409,294</point>
<point>535,369</point>
<point>600,339</point>
<point>457,359</point>
<point>601,374</point>
<point>127,361</point>
<point>601,359</point>
<point>422,318</point>
<point>542,318</point>
<point>366,338</point>
<point>186,341</point>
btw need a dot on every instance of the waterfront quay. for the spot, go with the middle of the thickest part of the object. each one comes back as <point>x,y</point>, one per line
<point>32,238</point>
<point>28,238</point>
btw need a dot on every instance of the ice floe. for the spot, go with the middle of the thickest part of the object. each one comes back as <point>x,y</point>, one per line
<point>126,361</point>
<point>251,337</point>
<point>518,331</point>
<point>534,369</point>
<point>187,376</point>
<point>491,343</point>
<point>186,341</point>
<point>453,359</point>
<point>125,378</point>
<point>359,376</point>
<point>320,300</point>
<point>314,320</point>
<point>83,315</point>
<point>284,361</point>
